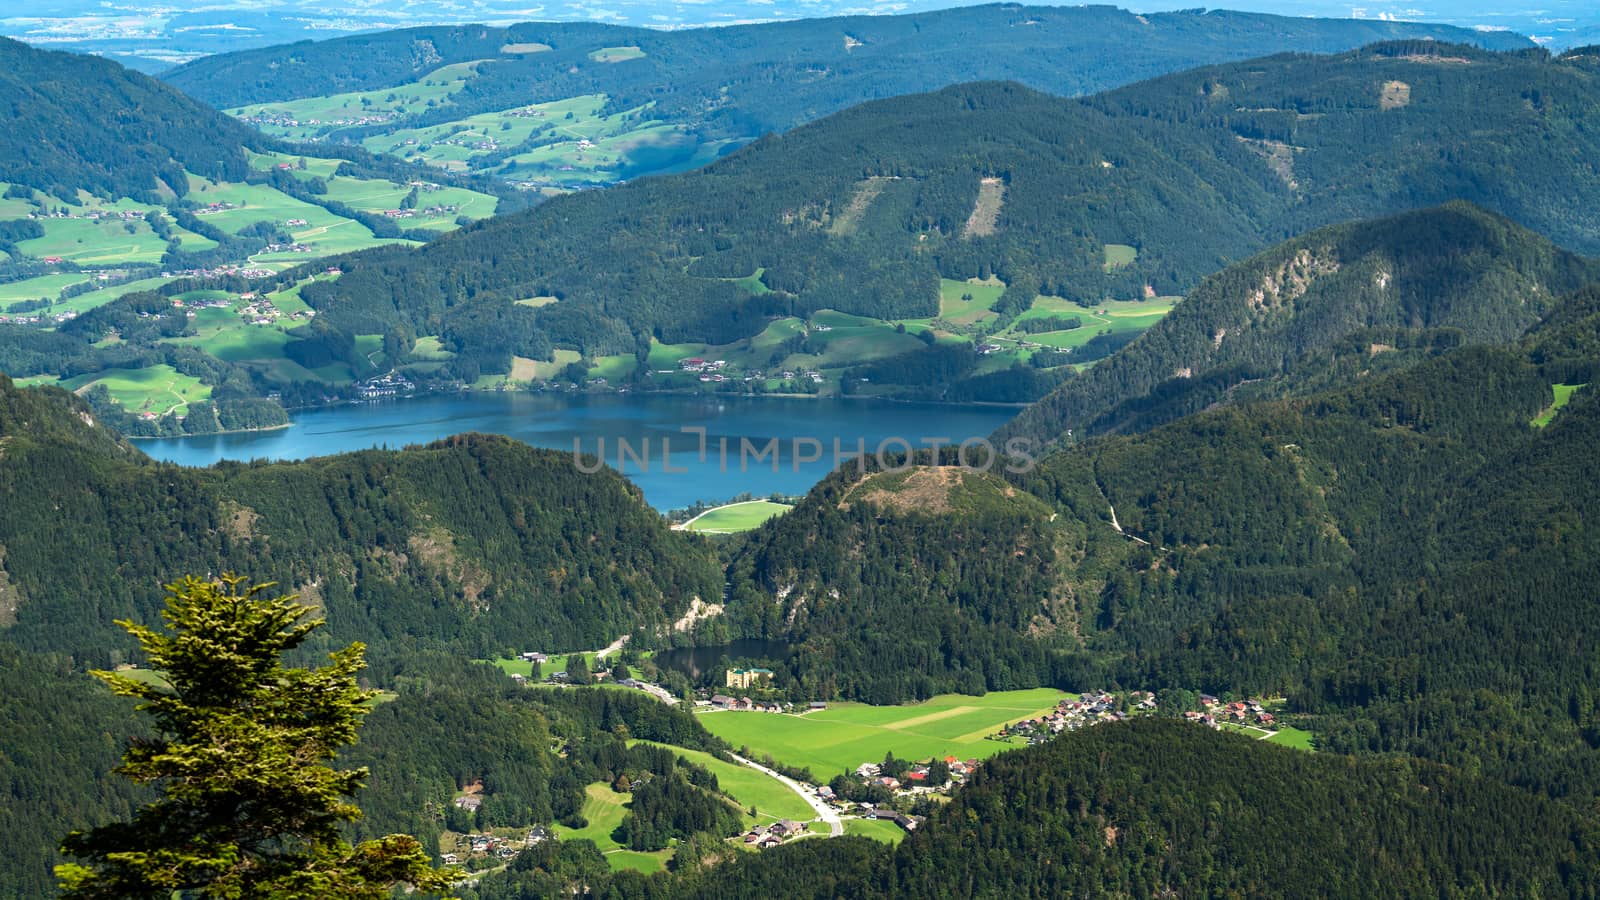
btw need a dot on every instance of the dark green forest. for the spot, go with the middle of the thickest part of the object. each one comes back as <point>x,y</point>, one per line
<point>1159,808</point>
<point>476,543</point>
<point>1188,169</point>
<point>1445,276</point>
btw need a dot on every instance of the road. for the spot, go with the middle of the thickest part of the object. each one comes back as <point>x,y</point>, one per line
<point>824,812</point>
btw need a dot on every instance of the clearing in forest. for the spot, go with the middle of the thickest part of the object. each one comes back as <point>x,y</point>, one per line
<point>986,211</point>
<point>866,192</point>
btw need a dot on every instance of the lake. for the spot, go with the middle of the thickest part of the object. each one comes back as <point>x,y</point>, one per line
<point>697,662</point>
<point>657,436</point>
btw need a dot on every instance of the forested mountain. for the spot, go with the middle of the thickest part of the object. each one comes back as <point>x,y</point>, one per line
<point>775,75</point>
<point>478,543</point>
<point>1455,274</point>
<point>84,123</point>
<point>865,210</point>
<point>1404,555</point>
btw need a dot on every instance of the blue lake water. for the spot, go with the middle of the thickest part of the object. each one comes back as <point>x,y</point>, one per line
<point>652,425</point>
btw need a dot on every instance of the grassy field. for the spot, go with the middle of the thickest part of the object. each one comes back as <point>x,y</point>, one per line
<point>877,829</point>
<point>616,54</point>
<point>1119,255</point>
<point>771,799</point>
<point>97,242</point>
<point>604,808</point>
<point>846,735</point>
<point>954,308</point>
<point>46,287</point>
<point>158,389</point>
<point>315,115</point>
<point>1563,395</point>
<point>1294,737</point>
<point>736,517</point>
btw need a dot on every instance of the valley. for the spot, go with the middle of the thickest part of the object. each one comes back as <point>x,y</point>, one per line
<point>1000,451</point>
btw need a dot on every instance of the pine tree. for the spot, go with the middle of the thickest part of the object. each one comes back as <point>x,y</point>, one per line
<point>250,807</point>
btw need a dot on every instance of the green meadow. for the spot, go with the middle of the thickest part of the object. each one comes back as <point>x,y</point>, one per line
<point>877,829</point>
<point>616,54</point>
<point>1563,395</point>
<point>771,798</point>
<point>158,389</point>
<point>316,115</point>
<point>45,287</point>
<point>736,517</point>
<point>845,735</point>
<point>1119,255</point>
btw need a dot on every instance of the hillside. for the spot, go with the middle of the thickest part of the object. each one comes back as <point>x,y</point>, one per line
<point>504,100</point>
<point>113,183</point>
<point>1454,272</point>
<point>1391,551</point>
<point>478,543</point>
<point>887,212</point>
<point>901,585</point>
<point>1163,808</point>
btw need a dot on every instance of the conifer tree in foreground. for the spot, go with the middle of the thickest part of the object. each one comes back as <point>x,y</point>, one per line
<point>250,806</point>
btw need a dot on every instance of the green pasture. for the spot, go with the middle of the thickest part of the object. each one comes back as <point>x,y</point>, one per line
<point>604,808</point>
<point>877,829</point>
<point>47,287</point>
<point>97,242</point>
<point>15,208</point>
<point>613,368</point>
<point>771,798</point>
<point>1119,255</point>
<point>1563,395</point>
<point>317,115</point>
<point>845,735</point>
<point>736,517</point>
<point>1294,737</point>
<point>158,389</point>
<point>959,311</point>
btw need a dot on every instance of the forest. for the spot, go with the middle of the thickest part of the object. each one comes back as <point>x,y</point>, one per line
<point>1455,269</point>
<point>476,543</point>
<point>1155,808</point>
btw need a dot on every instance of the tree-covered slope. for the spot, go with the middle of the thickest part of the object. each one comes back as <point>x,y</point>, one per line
<point>898,585</point>
<point>750,79</point>
<point>1454,269</point>
<point>1154,808</point>
<point>1405,556</point>
<point>1151,808</point>
<point>477,543</point>
<point>864,211</point>
<point>84,123</point>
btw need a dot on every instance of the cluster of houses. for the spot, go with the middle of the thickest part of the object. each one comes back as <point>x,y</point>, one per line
<point>258,310</point>
<point>916,777</point>
<point>763,837</point>
<point>489,846</point>
<point>696,364</point>
<point>124,215</point>
<point>36,318</point>
<point>1090,708</point>
<point>285,120</point>
<point>216,207</point>
<point>1096,707</point>
<point>1240,712</point>
<point>295,247</point>
<point>235,271</point>
<point>389,384</point>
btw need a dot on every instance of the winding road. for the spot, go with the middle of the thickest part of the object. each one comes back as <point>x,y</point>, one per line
<point>823,810</point>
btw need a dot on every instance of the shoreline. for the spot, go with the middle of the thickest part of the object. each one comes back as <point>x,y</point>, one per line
<point>174,437</point>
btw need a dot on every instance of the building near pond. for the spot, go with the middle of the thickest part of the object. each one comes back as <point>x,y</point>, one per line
<point>748,678</point>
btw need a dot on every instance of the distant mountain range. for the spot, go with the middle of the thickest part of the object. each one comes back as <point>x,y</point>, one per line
<point>866,211</point>
<point>715,88</point>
